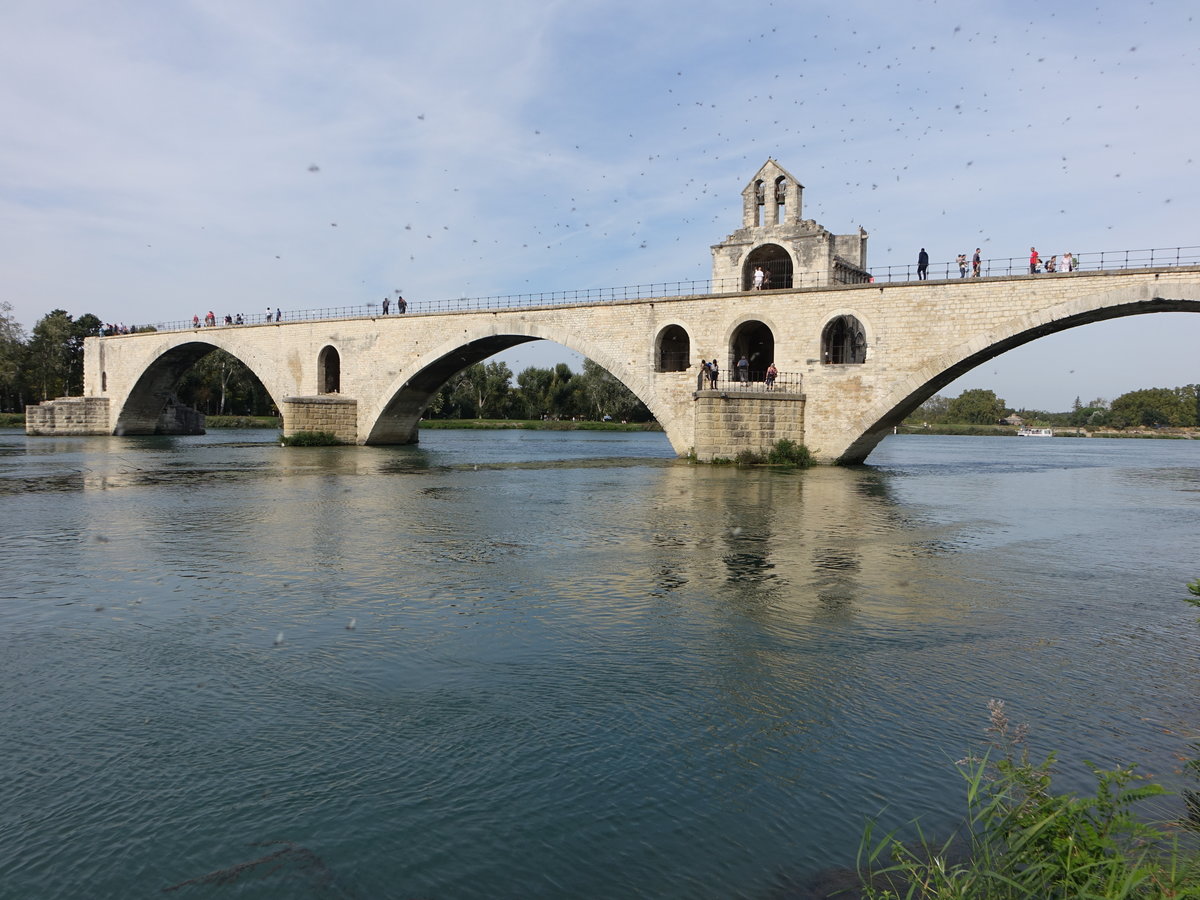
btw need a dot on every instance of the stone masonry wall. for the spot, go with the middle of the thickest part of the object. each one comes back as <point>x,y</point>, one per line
<point>68,415</point>
<point>728,422</point>
<point>336,415</point>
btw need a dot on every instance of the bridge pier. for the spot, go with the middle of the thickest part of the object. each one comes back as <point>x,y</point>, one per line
<point>735,420</point>
<point>91,415</point>
<point>335,415</point>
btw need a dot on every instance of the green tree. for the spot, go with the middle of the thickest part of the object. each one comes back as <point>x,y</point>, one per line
<point>12,360</point>
<point>221,384</point>
<point>1156,407</point>
<point>976,407</point>
<point>605,395</point>
<point>480,391</point>
<point>50,352</point>
<point>933,411</point>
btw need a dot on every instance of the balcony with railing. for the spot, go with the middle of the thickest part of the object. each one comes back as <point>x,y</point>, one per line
<point>751,380</point>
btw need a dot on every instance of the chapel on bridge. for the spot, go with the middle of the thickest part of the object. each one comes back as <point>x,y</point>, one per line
<point>792,252</point>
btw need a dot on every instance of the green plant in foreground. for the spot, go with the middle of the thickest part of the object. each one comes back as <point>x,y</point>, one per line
<point>309,439</point>
<point>788,453</point>
<point>1021,840</point>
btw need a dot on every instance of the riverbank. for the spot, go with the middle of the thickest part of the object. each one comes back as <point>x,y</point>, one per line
<point>1175,434</point>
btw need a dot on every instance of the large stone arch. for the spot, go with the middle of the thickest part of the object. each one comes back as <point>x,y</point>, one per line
<point>756,335</point>
<point>396,418</point>
<point>138,411</point>
<point>948,365</point>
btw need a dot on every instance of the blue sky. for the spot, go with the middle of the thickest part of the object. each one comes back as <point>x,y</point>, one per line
<point>162,159</point>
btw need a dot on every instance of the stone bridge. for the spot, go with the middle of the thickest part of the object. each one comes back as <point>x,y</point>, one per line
<point>866,356</point>
<point>856,357</point>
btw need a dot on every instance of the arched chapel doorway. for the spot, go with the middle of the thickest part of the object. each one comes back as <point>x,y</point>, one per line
<point>776,264</point>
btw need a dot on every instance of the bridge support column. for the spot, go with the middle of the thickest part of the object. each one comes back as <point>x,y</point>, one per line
<point>729,422</point>
<point>330,413</point>
<point>69,415</point>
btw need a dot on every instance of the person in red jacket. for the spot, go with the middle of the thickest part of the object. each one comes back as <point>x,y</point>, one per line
<point>1034,262</point>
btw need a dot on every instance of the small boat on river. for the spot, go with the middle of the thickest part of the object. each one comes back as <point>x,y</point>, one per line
<point>1035,432</point>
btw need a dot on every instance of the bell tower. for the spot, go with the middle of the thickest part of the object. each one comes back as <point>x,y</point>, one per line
<point>775,240</point>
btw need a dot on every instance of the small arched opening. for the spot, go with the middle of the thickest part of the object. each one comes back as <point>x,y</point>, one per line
<point>780,200</point>
<point>672,350</point>
<point>776,264</point>
<point>844,342</point>
<point>754,341</point>
<point>329,371</point>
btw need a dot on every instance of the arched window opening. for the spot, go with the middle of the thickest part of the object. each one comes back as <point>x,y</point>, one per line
<point>755,342</point>
<point>760,200</point>
<point>780,199</point>
<point>329,372</point>
<point>673,353</point>
<point>844,342</point>
<point>776,265</point>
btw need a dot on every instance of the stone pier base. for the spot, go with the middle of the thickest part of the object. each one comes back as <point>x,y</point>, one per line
<point>331,413</point>
<point>179,419</point>
<point>68,415</point>
<point>729,422</point>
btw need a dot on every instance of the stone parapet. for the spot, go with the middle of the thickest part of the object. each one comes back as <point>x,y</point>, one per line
<point>733,421</point>
<point>336,415</point>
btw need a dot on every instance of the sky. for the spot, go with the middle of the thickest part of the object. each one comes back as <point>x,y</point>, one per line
<point>166,158</point>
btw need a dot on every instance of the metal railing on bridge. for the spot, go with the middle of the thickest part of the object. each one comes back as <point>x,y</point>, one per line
<point>1004,267</point>
<point>751,380</point>
<point>1090,261</point>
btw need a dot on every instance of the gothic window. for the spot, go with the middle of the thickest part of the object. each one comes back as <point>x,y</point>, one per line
<point>844,342</point>
<point>780,199</point>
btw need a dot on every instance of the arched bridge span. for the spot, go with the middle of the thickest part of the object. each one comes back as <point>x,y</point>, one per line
<point>860,357</point>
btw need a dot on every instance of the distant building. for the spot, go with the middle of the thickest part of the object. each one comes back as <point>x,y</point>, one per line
<point>791,251</point>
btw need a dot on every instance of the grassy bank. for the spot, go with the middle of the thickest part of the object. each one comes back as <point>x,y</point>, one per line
<point>12,420</point>
<point>241,422</point>
<point>540,425</point>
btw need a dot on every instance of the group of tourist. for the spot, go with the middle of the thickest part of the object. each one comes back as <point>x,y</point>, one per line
<point>711,372</point>
<point>1053,264</point>
<point>109,330</point>
<point>401,305</point>
<point>761,280</point>
<point>210,319</point>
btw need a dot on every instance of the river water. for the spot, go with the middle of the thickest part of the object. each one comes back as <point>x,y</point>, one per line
<point>539,664</point>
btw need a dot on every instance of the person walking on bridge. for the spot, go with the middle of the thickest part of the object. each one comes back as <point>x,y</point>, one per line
<point>387,301</point>
<point>922,265</point>
<point>1034,261</point>
<point>975,261</point>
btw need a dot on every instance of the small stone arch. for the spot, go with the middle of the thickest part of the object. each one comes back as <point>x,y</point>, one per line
<point>329,371</point>
<point>672,350</point>
<point>776,263</point>
<point>754,340</point>
<point>844,342</point>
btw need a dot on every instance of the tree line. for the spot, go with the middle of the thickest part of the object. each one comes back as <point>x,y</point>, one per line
<point>1177,407</point>
<point>48,363</point>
